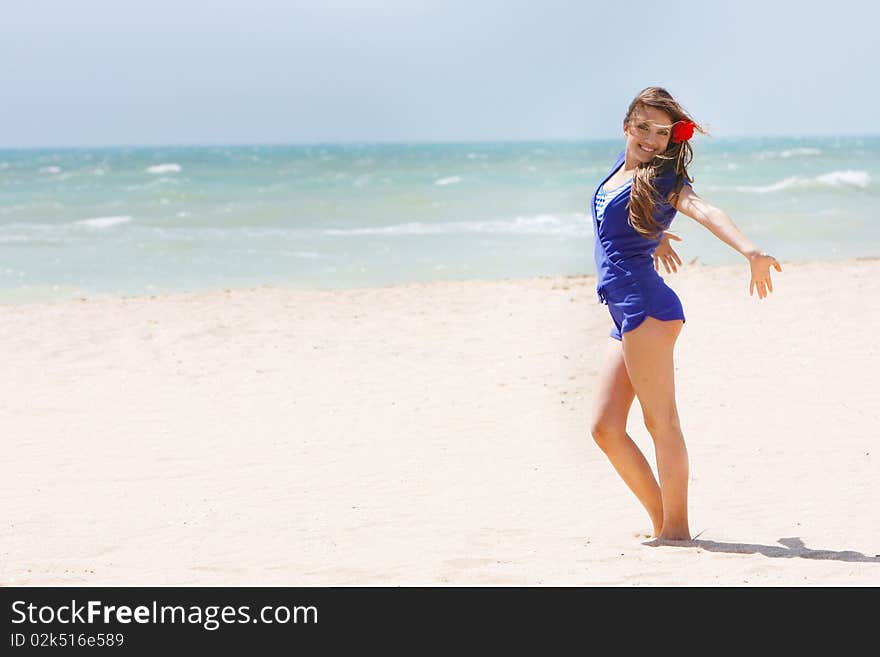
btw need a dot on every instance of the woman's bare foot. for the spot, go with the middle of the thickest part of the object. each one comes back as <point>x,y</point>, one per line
<point>674,535</point>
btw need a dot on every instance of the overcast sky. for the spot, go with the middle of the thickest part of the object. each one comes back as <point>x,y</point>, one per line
<point>102,72</point>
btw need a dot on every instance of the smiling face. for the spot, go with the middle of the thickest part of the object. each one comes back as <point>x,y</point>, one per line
<point>648,132</point>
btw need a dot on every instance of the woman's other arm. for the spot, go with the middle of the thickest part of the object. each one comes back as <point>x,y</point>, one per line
<point>721,225</point>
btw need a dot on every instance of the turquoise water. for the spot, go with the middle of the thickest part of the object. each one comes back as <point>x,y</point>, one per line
<point>133,221</point>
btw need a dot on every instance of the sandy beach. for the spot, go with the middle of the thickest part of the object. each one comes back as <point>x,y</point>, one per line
<point>435,434</point>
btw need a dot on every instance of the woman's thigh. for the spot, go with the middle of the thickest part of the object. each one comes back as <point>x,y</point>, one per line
<point>648,354</point>
<point>615,393</point>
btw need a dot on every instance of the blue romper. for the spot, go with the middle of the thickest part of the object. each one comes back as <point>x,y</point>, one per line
<point>627,281</point>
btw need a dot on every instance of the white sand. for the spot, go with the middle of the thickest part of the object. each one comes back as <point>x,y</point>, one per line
<point>434,434</point>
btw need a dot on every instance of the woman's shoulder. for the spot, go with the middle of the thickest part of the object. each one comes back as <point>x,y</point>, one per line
<point>666,184</point>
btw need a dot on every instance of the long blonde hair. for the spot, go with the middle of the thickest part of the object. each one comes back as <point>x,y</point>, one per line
<point>675,159</point>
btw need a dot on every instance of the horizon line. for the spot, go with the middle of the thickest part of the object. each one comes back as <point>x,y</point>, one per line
<point>411,142</point>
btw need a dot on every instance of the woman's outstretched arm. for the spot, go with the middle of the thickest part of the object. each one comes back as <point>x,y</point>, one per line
<point>722,226</point>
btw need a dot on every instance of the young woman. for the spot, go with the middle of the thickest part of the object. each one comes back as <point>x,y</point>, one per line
<point>632,209</point>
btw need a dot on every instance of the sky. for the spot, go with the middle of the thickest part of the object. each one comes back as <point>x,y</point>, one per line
<point>163,72</point>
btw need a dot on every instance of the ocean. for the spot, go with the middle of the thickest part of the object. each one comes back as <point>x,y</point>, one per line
<point>90,222</point>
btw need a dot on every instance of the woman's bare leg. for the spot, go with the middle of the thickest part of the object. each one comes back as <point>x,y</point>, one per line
<point>648,354</point>
<point>613,400</point>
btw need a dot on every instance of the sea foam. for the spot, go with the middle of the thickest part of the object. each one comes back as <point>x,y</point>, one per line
<point>787,153</point>
<point>164,168</point>
<point>852,178</point>
<point>571,225</point>
<point>838,179</point>
<point>103,222</point>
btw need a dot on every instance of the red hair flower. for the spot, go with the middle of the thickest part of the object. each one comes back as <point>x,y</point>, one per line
<point>682,131</point>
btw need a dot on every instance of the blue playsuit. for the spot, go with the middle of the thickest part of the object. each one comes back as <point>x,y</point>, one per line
<point>627,280</point>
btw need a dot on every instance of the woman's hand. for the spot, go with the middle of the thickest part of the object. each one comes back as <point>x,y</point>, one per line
<point>665,253</point>
<point>761,264</point>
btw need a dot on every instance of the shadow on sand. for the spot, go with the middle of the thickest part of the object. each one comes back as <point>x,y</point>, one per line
<point>792,548</point>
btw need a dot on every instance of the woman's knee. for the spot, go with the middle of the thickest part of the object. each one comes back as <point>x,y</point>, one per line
<point>662,421</point>
<point>606,434</point>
